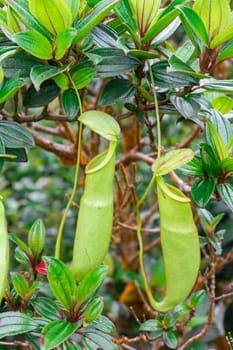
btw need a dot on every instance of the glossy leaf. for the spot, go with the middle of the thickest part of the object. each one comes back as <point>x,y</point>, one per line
<point>63,42</point>
<point>196,24</point>
<point>226,51</point>
<point>57,332</point>
<point>114,62</point>
<point>226,193</point>
<point>172,160</point>
<point>48,92</point>
<point>98,13</point>
<point>36,238</point>
<point>209,160</point>
<point>227,164</point>
<point>101,123</point>
<point>91,282</point>
<point>116,90</point>
<point>13,323</point>
<point>70,104</point>
<point>170,338</point>
<point>202,191</point>
<point>105,36</point>
<point>83,76</point>
<point>187,108</point>
<point>19,155</point>
<point>74,7</point>
<point>225,86</point>
<point>20,64</point>
<point>22,245</point>
<point>223,104</point>
<point>101,340</point>
<point>93,310</point>
<point>221,124</point>
<point>15,135</point>
<point>222,37</point>
<point>221,148</point>
<point>151,326</point>
<point>10,88</point>
<point>34,43</point>
<point>46,308</point>
<point>61,281</point>
<point>39,74</point>
<point>54,15</point>
<point>103,324</point>
<point>20,284</point>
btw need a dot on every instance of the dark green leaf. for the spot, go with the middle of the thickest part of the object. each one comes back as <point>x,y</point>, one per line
<point>210,160</point>
<point>221,124</point>
<point>57,332</point>
<point>116,90</point>
<point>114,62</point>
<point>185,107</point>
<point>98,13</point>
<point>61,282</point>
<point>70,104</point>
<point>226,52</point>
<point>178,65</point>
<point>226,193</point>
<point>48,92</point>
<point>46,308</point>
<point>225,86</point>
<point>40,73</point>
<point>2,151</point>
<point>34,43</point>
<point>193,168</point>
<point>170,319</point>
<point>21,64</point>
<point>219,144</point>
<point>124,13</point>
<point>103,324</point>
<point>19,243</point>
<point>202,191</point>
<point>15,135</point>
<point>104,36</point>
<point>19,154</point>
<point>13,323</point>
<point>91,282</point>
<point>102,340</point>
<point>69,345</point>
<point>170,339</point>
<point>182,309</point>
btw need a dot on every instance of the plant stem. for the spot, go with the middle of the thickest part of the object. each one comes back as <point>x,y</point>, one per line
<point>75,185</point>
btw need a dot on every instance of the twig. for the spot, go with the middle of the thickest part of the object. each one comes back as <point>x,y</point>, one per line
<point>190,138</point>
<point>132,157</point>
<point>134,228</point>
<point>17,343</point>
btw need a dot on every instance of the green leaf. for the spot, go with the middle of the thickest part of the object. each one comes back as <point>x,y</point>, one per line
<point>22,11</point>
<point>91,282</point>
<point>39,74</point>
<point>98,13</point>
<point>225,86</point>
<point>226,51</point>
<point>21,256</point>
<point>114,62</point>
<point>162,23</point>
<point>187,108</point>
<point>210,160</point>
<point>223,104</point>
<point>20,284</point>
<point>197,298</point>
<point>1,75</point>
<point>116,90</point>
<point>226,193</point>
<point>2,151</point>
<point>70,104</point>
<point>34,43</point>
<point>54,15</point>
<point>48,92</point>
<point>124,13</point>
<point>170,339</point>
<point>46,308</point>
<point>61,281</point>
<point>151,326</point>
<point>105,36</point>
<point>193,168</point>
<point>226,164</point>
<point>9,88</point>
<point>19,243</point>
<point>222,125</point>
<point>69,345</point>
<point>63,42</point>
<point>202,191</point>
<point>13,323</point>
<point>222,37</point>
<point>103,341</point>
<point>221,148</point>
<point>15,135</point>
<point>20,64</point>
<point>178,65</point>
<point>82,76</point>
<point>36,238</point>
<point>172,160</point>
<point>103,324</point>
<point>57,332</point>
<point>93,310</point>
<point>196,24</point>
<point>19,154</point>
<point>101,123</point>
<point>62,81</point>
<point>74,7</point>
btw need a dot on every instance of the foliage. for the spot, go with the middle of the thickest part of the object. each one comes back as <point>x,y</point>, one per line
<point>71,73</point>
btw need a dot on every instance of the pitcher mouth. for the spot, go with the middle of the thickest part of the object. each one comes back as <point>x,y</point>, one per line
<point>101,159</point>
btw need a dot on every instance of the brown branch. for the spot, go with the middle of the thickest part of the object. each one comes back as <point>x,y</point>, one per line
<point>190,138</point>
<point>134,228</point>
<point>17,343</point>
<point>132,157</point>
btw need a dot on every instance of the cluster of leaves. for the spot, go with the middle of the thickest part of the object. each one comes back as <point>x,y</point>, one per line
<point>73,315</point>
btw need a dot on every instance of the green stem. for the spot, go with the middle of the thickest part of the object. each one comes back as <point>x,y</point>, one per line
<point>75,185</point>
<point>145,194</point>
